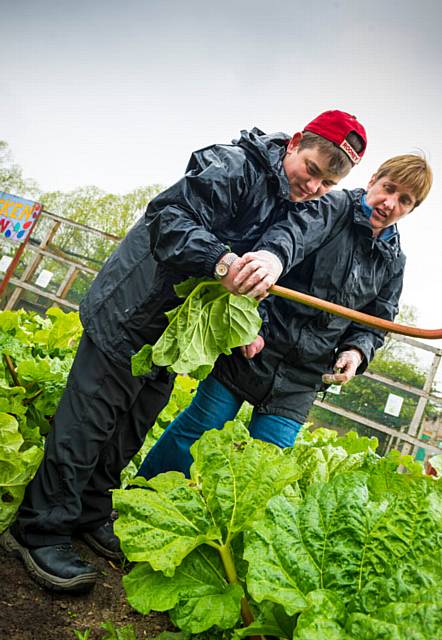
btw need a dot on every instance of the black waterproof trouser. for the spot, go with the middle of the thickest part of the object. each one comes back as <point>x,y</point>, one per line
<point>101,422</point>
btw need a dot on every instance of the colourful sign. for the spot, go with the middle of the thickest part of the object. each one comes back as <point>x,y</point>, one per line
<point>17,216</point>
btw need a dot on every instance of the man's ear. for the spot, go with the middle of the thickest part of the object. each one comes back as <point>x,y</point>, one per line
<point>294,142</point>
<point>373,179</point>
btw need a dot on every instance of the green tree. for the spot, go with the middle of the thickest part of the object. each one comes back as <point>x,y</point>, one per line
<point>393,349</point>
<point>88,205</point>
<point>11,176</point>
<point>108,212</point>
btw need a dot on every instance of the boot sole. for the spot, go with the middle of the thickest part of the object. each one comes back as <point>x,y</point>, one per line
<point>79,584</point>
<point>100,550</point>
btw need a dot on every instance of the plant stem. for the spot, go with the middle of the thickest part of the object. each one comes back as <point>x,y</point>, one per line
<point>232,577</point>
<point>11,369</point>
<point>34,397</point>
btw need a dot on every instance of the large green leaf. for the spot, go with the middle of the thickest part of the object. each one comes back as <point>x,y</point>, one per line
<point>337,539</point>
<point>17,468</point>
<point>62,332</point>
<point>198,595</point>
<point>238,475</point>
<point>163,525</point>
<point>412,582</point>
<point>11,399</point>
<point>210,321</point>
<point>418,620</point>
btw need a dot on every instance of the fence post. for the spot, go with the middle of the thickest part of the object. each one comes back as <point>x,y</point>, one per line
<point>422,403</point>
<point>33,266</point>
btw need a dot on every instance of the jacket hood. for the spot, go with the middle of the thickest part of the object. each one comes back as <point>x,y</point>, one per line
<point>269,150</point>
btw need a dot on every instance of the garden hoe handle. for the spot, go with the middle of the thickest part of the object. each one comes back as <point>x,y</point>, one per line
<point>355,316</point>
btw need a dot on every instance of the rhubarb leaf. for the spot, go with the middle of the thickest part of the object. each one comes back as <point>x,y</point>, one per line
<point>209,322</point>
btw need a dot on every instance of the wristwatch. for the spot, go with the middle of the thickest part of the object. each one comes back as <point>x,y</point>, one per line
<point>223,265</point>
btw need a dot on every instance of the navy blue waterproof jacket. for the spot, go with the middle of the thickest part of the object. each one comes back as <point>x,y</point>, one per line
<point>236,197</point>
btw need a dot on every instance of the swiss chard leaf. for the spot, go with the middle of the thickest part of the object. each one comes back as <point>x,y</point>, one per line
<point>337,539</point>
<point>198,596</point>
<point>210,321</point>
<point>230,467</point>
<point>163,525</point>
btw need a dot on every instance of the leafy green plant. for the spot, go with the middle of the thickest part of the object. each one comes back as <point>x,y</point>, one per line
<point>36,356</point>
<point>122,633</point>
<point>325,540</point>
<point>210,321</point>
<point>82,635</point>
<point>17,468</point>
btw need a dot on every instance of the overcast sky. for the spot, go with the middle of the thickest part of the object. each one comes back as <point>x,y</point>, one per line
<point>118,94</point>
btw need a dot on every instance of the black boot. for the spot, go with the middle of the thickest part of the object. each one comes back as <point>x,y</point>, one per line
<point>56,567</point>
<point>104,541</point>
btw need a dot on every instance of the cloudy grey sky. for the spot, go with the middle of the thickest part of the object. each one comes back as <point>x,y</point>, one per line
<point>118,94</point>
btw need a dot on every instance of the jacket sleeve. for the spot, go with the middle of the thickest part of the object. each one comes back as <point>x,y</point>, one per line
<point>180,219</point>
<point>386,306</point>
<point>304,228</point>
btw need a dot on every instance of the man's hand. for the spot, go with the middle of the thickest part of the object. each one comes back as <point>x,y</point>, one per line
<point>257,272</point>
<point>345,368</point>
<point>228,280</point>
<point>251,350</point>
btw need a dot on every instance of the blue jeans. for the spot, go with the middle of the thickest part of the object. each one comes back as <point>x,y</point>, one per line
<point>212,406</point>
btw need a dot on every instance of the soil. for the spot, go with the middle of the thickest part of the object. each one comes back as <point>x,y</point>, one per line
<point>29,612</point>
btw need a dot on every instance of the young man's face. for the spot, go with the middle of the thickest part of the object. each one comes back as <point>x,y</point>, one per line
<point>390,200</point>
<point>307,172</point>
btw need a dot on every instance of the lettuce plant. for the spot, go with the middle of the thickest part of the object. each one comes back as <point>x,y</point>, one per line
<point>36,355</point>
<point>17,467</point>
<point>325,540</point>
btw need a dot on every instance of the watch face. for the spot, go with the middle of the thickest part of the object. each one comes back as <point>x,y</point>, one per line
<point>221,269</point>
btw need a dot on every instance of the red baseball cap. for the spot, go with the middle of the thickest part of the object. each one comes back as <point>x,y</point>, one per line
<point>335,126</point>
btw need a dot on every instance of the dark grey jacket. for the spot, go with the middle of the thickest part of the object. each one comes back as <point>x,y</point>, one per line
<point>228,197</point>
<point>237,197</point>
<point>350,268</point>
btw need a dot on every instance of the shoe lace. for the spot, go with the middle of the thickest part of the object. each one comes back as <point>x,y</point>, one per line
<point>66,546</point>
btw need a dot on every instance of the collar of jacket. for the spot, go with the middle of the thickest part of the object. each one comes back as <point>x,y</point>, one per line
<point>269,150</point>
<point>389,247</point>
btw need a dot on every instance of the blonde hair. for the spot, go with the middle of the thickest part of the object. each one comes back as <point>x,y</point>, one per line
<point>410,170</point>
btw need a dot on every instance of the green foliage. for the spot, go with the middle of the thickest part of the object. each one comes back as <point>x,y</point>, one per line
<point>37,354</point>
<point>210,321</point>
<point>111,213</point>
<point>114,633</point>
<point>82,635</point>
<point>323,540</point>
<point>17,467</point>
<point>11,176</point>
<point>166,526</point>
